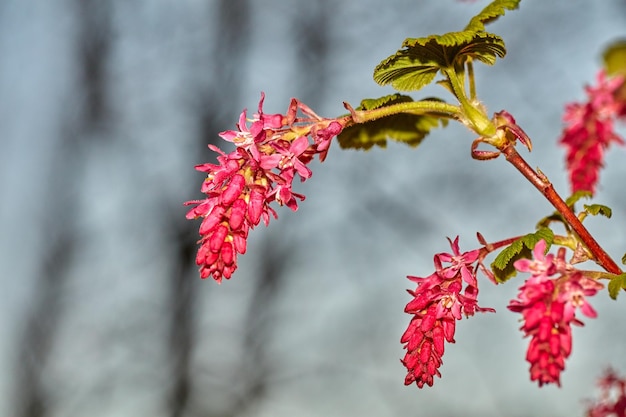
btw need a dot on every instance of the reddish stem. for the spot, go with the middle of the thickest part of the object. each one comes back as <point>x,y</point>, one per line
<point>546,188</point>
<point>490,247</point>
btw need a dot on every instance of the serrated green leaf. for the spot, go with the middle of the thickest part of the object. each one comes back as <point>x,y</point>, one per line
<point>419,60</point>
<point>544,233</point>
<point>490,13</point>
<point>595,209</point>
<point>502,266</point>
<point>376,103</point>
<point>615,58</point>
<point>616,285</point>
<point>624,259</point>
<point>545,222</point>
<point>406,128</point>
<point>417,64</point>
<point>573,199</point>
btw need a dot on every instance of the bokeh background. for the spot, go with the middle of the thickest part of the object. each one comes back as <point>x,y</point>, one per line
<point>106,106</point>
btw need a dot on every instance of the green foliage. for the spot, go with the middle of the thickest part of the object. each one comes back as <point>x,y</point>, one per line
<point>417,63</point>
<point>377,103</point>
<point>573,199</point>
<point>595,209</point>
<point>624,259</point>
<point>616,284</point>
<point>410,129</point>
<point>490,13</point>
<point>502,267</point>
<point>589,209</point>
<point>554,217</point>
<point>615,58</point>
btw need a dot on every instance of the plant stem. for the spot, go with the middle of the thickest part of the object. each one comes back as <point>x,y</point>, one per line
<point>412,107</point>
<point>472,83</point>
<point>545,187</point>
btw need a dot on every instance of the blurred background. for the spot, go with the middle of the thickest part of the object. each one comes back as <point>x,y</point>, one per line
<point>107,105</point>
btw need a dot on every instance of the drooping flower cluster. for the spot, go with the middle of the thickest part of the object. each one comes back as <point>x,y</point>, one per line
<point>612,401</point>
<point>268,155</point>
<point>548,301</point>
<point>589,131</point>
<point>438,301</point>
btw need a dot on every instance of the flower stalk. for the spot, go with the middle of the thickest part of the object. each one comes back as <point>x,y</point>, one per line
<point>545,187</point>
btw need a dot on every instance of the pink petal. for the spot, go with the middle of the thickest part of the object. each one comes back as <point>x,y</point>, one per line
<point>217,238</point>
<point>425,351</point>
<point>238,214</point>
<point>588,310</point>
<point>438,340</point>
<point>256,206</point>
<point>239,243</point>
<point>299,145</point>
<point>228,135</point>
<point>212,220</point>
<point>233,190</point>
<point>539,250</point>
<point>228,254</point>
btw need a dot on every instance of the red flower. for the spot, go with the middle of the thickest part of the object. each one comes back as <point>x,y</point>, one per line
<point>438,301</point>
<point>612,402</point>
<point>548,302</point>
<point>589,131</point>
<point>268,155</point>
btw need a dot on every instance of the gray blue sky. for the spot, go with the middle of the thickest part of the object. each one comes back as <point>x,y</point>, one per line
<point>105,107</point>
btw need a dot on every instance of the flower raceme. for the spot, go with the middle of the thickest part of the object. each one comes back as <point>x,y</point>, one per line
<point>268,154</point>
<point>438,302</point>
<point>612,401</point>
<point>548,301</point>
<point>589,131</point>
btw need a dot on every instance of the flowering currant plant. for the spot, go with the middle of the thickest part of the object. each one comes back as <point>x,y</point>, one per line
<point>271,150</point>
<point>612,401</point>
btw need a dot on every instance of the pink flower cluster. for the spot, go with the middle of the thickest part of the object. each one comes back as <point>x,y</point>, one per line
<point>438,301</point>
<point>268,155</point>
<point>548,301</point>
<point>612,402</point>
<point>589,131</point>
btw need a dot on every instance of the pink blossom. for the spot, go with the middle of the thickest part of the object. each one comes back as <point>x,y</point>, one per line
<point>438,302</point>
<point>573,294</point>
<point>459,262</point>
<point>541,265</point>
<point>589,131</point>
<point>548,302</point>
<point>240,187</point>
<point>612,401</point>
<point>291,156</point>
<point>262,125</point>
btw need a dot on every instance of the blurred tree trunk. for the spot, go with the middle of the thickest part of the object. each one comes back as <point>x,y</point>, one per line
<point>255,368</point>
<point>33,397</point>
<point>59,227</point>
<point>310,28</point>
<point>230,46</point>
<point>94,45</point>
<point>257,371</point>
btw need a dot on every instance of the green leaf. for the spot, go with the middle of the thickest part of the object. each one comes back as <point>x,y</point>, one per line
<point>555,217</point>
<point>616,284</point>
<point>490,13</point>
<point>624,259</point>
<point>419,60</point>
<point>417,64</point>
<point>595,209</point>
<point>573,199</point>
<point>502,266</point>
<point>376,103</point>
<point>407,128</point>
<point>615,58</point>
